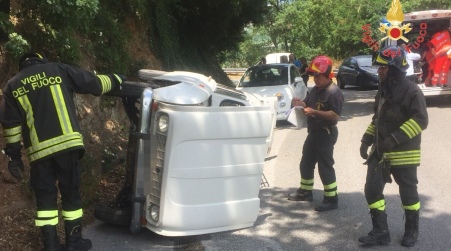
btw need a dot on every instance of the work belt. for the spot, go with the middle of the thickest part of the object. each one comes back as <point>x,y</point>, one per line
<point>328,129</point>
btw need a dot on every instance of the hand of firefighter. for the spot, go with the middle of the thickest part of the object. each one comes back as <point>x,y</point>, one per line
<point>296,102</point>
<point>387,145</point>
<point>119,78</point>
<point>15,168</point>
<point>364,150</point>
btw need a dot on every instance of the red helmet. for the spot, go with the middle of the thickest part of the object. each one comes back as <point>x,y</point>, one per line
<point>321,64</point>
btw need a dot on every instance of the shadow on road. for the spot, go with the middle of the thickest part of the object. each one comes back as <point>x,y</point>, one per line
<point>288,225</point>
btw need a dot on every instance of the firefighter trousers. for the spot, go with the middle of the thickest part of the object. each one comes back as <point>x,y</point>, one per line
<point>62,171</point>
<point>406,178</point>
<point>319,148</point>
<point>441,70</point>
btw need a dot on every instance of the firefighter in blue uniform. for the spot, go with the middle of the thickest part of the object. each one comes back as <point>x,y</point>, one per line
<point>323,106</point>
<point>38,109</point>
<point>400,116</point>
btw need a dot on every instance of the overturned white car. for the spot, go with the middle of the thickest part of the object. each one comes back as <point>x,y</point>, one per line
<point>197,156</point>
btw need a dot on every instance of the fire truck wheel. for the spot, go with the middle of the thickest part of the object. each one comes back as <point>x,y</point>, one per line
<point>131,89</point>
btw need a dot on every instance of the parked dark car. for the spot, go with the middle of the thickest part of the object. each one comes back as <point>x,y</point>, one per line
<point>358,71</point>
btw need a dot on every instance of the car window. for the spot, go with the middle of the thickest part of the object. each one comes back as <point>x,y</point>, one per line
<point>353,62</point>
<point>365,61</point>
<point>347,62</point>
<point>266,75</point>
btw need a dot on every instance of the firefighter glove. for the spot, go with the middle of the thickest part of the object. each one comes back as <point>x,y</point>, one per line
<point>364,150</point>
<point>387,145</point>
<point>386,173</point>
<point>15,167</point>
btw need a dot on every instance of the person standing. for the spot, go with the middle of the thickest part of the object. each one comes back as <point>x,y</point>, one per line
<point>442,43</point>
<point>294,61</point>
<point>430,59</point>
<point>394,133</point>
<point>322,106</point>
<point>303,70</point>
<point>38,109</point>
<point>410,58</point>
<point>424,51</point>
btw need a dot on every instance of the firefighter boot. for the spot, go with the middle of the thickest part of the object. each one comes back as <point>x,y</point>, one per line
<point>329,203</point>
<point>51,240</point>
<point>301,195</point>
<point>411,228</point>
<point>379,235</point>
<point>74,241</point>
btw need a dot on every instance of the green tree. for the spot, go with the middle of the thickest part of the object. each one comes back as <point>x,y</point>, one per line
<point>195,35</point>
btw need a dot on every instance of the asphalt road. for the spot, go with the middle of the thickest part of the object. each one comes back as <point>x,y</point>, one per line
<point>287,225</point>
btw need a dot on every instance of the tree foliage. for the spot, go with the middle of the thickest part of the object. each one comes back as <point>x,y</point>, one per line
<point>195,35</point>
<point>185,35</point>
<point>312,27</point>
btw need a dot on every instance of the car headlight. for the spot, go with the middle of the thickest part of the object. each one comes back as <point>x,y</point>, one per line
<point>279,96</point>
<point>155,213</point>
<point>163,122</point>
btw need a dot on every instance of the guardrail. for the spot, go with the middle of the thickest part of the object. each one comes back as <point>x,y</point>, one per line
<point>234,70</point>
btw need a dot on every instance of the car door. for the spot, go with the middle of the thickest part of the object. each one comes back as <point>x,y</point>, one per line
<point>348,72</point>
<point>353,72</point>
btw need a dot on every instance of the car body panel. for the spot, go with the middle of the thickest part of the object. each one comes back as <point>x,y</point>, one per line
<point>194,174</point>
<point>358,71</point>
<point>271,80</point>
<point>200,179</point>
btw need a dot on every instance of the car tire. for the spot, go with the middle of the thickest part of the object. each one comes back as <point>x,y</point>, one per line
<point>131,89</point>
<point>340,83</point>
<point>361,84</point>
<point>149,75</point>
<point>113,216</point>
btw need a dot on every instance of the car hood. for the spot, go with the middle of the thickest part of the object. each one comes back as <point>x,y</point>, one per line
<point>268,91</point>
<point>370,69</point>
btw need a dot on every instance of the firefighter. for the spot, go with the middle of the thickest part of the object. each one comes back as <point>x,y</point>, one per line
<point>400,116</point>
<point>39,110</point>
<point>323,107</point>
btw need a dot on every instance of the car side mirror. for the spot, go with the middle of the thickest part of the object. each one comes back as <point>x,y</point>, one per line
<point>352,66</point>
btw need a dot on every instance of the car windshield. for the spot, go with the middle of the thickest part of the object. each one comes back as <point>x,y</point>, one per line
<point>364,61</point>
<point>265,75</point>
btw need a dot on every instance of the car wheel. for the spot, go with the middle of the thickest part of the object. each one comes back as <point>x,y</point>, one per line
<point>340,83</point>
<point>114,216</point>
<point>149,75</point>
<point>131,89</point>
<point>361,84</point>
